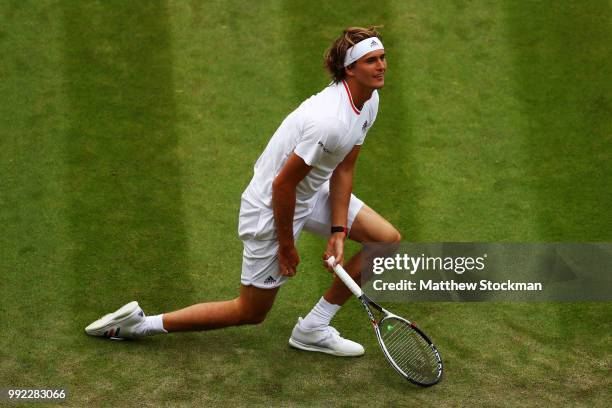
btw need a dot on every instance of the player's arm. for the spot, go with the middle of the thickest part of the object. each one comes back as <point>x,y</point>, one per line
<point>340,189</point>
<point>283,205</point>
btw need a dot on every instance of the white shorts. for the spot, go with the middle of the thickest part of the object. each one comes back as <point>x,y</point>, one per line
<point>257,232</point>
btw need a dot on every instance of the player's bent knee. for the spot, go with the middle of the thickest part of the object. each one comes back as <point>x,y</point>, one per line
<point>252,314</point>
<point>253,319</point>
<point>391,236</point>
<point>253,304</point>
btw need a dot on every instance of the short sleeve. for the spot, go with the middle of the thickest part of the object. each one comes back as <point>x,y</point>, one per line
<point>319,138</point>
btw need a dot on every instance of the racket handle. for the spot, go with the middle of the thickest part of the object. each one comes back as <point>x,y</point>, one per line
<point>345,277</point>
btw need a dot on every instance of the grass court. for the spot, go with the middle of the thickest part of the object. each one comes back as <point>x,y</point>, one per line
<point>128,131</point>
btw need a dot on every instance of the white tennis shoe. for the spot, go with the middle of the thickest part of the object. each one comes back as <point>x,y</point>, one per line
<point>324,340</point>
<point>120,324</point>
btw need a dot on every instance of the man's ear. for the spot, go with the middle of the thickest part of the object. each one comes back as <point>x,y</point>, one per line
<point>349,70</point>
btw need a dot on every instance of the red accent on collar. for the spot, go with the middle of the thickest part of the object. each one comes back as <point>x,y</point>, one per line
<point>348,91</point>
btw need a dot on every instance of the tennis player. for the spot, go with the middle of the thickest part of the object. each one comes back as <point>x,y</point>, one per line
<point>302,181</point>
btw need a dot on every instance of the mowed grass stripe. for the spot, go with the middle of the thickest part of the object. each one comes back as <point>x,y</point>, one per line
<point>126,210</point>
<point>563,59</point>
<point>34,231</point>
<point>231,90</point>
<point>465,145</point>
<point>122,151</point>
<point>563,65</point>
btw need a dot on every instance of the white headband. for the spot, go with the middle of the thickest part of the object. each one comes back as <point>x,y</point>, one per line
<point>362,48</point>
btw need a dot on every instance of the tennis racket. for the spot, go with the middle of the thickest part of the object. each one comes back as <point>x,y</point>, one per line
<point>405,346</point>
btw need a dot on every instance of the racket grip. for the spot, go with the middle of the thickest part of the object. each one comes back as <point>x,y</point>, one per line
<point>345,277</point>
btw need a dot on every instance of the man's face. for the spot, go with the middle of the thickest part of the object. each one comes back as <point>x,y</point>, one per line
<point>369,70</point>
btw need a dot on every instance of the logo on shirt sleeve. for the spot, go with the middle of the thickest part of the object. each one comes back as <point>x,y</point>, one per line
<point>365,126</point>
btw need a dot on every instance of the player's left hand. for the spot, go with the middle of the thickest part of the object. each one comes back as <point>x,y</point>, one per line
<point>335,248</point>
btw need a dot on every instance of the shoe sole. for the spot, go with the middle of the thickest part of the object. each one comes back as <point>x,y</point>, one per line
<point>103,324</point>
<point>307,347</point>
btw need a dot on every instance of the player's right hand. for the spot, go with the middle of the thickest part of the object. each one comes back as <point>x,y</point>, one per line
<point>335,248</point>
<point>288,260</point>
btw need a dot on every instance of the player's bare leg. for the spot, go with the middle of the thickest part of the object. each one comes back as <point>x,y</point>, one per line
<point>251,307</point>
<point>368,226</point>
<point>129,321</point>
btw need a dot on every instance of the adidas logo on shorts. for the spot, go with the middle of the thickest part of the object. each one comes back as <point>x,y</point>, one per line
<point>325,149</point>
<point>269,280</point>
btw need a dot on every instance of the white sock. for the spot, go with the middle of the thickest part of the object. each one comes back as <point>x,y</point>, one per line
<point>151,325</point>
<point>320,315</point>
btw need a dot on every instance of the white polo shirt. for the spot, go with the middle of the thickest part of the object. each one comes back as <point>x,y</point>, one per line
<point>322,131</point>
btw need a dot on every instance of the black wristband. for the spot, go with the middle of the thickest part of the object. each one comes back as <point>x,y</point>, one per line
<point>339,228</point>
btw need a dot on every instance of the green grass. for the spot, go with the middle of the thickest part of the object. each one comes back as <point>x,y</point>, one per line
<point>128,131</point>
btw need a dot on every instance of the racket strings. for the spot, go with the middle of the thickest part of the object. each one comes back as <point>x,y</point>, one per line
<point>411,358</point>
<point>409,351</point>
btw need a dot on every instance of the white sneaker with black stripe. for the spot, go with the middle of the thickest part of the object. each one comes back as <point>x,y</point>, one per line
<point>120,324</point>
<point>324,340</point>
